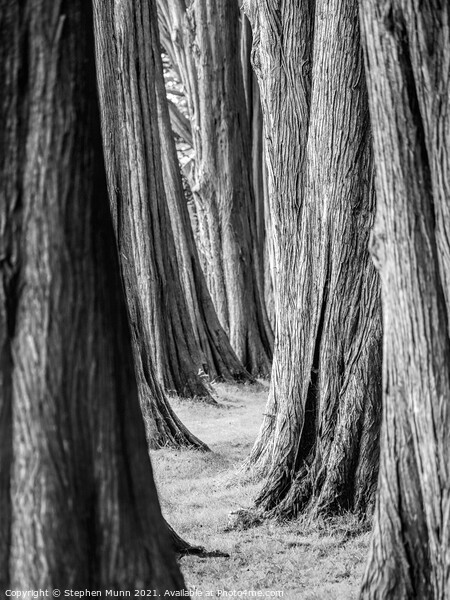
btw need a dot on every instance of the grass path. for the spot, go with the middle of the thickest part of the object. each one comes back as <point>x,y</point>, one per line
<point>198,491</point>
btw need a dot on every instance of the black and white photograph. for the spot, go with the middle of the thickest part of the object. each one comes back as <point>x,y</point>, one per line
<point>225,299</point>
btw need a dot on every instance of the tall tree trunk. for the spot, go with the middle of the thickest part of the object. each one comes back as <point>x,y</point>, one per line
<point>407,64</point>
<point>202,41</point>
<point>263,238</point>
<point>218,356</point>
<point>85,511</point>
<point>317,445</point>
<point>156,302</point>
<point>156,305</point>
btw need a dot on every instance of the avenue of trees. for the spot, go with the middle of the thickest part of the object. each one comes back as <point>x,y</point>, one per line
<point>306,240</point>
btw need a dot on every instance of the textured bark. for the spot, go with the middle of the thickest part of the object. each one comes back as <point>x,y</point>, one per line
<point>180,124</point>
<point>201,40</point>
<point>269,251</point>
<point>263,238</point>
<point>85,512</point>
<point>219,358</point>
<point>408,73</point>
<point>317,445</point>
<point>10,166</point>
<point>126,78</point>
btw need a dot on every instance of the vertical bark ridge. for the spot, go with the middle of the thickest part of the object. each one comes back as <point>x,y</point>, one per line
<point>10,167</point>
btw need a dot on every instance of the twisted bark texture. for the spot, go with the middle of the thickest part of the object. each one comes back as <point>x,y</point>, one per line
<point>408,72</point>
<point>85,512</point>
<point>317,446</point>
<point>162,329</point>
<point>202,38</point>
<point>220,360</point>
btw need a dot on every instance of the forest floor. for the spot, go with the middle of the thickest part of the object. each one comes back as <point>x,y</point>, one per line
<point>315,561</point>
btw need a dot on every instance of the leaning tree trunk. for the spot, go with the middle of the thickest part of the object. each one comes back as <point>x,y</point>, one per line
<point>156,302</point>
<point>202,41</point>
<point>317,445</point>
<point>221,362</point>
<point>85,512</point>
<point>160,324</point>
<point>407,64</point>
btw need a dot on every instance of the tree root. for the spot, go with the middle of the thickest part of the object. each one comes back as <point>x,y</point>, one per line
<point>183,548</point>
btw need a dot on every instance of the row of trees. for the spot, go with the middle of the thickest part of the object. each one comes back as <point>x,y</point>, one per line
<point>114,293</point>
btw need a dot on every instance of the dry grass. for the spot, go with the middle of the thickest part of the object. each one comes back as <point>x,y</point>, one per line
<point>316,561</point>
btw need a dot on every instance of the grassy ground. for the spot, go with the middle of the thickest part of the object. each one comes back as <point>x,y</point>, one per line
<point>317,561</point>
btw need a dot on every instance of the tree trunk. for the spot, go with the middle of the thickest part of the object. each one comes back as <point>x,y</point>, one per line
<point>162,327</point>
<point>9,258</point>
<point>317,445</point>
<point>219,358</point>
<point>263,238</point>
<point>155,304</point>
<point>202,40</point>
<point>407,64</point>
<point>85,511</point>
